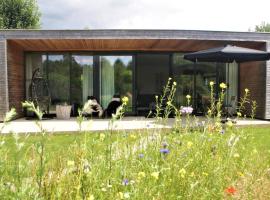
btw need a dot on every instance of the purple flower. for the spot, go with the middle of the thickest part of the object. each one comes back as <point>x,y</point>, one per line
<point>164,151</point>
<point>141,155</point>
<point>186,110</point>
<point>222,131</point>
<point>125,182</point>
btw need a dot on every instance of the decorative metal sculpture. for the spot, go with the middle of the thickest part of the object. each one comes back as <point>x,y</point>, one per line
<point>39,91</point>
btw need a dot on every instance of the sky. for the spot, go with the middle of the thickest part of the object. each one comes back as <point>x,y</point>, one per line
<point>219,15</point>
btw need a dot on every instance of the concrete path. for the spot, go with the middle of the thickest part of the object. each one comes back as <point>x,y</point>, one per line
<point>128,123</point>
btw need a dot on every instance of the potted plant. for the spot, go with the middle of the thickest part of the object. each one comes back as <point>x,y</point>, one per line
<point>63,111</point>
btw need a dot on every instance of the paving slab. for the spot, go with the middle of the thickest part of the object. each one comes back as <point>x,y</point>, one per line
<point>128,123</point>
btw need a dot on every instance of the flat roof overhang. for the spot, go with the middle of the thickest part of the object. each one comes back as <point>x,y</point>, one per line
<point>176,45</point>
<point>131,40</point>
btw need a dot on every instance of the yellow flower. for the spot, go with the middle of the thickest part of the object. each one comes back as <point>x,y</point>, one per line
<point>236,155</point>
<point>239,114</point>
<point>189,144</point>
<point>155,175</point>
<point>133,136</point>
<point>125,99</point>
<point>70,163</point>
<point>188,96</point>
<point>246,90</point>
<point>120,195</point>
<point>205,174</point>
<point>174,83</point>
<point>211,83</point>
<point>240,174</point>
<point>141,175</point>
<point>222,85</point>
<point>229,123</point>
<point>102,136</point>
<point>182,172</point>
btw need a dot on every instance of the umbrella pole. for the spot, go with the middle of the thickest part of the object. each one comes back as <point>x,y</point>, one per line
<point>228,85</point>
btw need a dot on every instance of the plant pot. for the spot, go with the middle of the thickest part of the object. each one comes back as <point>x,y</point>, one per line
<point>63,111</point>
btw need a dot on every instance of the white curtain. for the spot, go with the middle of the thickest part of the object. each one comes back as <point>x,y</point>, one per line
<point>107,81</point>
<point>87,81</point>
<point>232,79</point>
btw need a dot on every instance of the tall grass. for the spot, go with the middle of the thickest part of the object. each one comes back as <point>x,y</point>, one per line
<point>190,161</point>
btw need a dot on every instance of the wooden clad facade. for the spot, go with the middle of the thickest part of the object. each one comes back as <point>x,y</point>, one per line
<point>16,74</point>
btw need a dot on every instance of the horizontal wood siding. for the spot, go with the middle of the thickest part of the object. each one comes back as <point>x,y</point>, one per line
<point>252,76</point>
<point>180,45</point>
<point>3,80</point>
<point>16,83</point>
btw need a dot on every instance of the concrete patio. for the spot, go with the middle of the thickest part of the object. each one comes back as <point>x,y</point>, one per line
<point>128,123</point>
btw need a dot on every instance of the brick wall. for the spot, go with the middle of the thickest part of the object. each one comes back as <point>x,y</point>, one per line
<point>16,83</point>
<point>3,80</point>
<point>252,76</point>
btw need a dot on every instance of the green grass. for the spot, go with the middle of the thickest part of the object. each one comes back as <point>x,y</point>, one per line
<point>200,165</point>
<point>60,141</point>
<point>261,135</point>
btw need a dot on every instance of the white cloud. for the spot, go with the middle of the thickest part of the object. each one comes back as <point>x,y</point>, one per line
<point>228,15</point>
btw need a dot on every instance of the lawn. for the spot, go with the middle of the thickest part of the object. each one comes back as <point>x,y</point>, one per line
<point>146,164</point>
<point>206,160</point>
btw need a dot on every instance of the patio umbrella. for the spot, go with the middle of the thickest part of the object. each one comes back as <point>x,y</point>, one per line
<point>228,54</point>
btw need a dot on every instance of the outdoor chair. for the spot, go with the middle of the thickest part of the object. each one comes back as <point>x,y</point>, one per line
<point>112,106</point>
<point>230,108</point>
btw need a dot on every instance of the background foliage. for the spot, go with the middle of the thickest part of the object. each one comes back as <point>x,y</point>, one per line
<point>19,14</point>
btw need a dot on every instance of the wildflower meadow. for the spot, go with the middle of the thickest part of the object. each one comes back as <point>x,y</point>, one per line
<point>193,160</point>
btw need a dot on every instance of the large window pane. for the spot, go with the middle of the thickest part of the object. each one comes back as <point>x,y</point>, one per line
<point>81,78</point>
<point>194,79</point>
<point>58,74</point>
<point>116,78</point>
<point>33,62</point>
<point>152,75</point>
<point>183,74</point>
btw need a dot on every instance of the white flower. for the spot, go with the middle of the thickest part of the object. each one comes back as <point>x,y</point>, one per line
<point>126,195</point>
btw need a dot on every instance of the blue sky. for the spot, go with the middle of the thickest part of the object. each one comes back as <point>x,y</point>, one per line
<point>227,15</point>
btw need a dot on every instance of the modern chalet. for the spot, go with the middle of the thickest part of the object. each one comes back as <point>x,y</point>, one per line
<point>133,63</point>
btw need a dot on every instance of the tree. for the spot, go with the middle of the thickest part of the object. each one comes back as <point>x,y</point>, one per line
<point>263,27</point>
<point>19,14</point>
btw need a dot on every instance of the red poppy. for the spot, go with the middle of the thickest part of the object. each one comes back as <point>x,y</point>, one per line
<point>230,190</point>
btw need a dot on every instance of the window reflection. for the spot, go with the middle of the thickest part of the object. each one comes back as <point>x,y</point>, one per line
<point>58,75</point>
<point>81,78</point>
<point>116,78</point>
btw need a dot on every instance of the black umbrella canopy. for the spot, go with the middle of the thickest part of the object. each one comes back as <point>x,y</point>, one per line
<point>228,54</point>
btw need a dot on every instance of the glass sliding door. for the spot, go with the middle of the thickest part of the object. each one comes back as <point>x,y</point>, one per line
<point>152,72</point>
<point>58,75</point>
<point>183,74</point>
<point>116,78</point>
<point>81,78</point>
<point>194,79</point>
<point>33,62</point>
